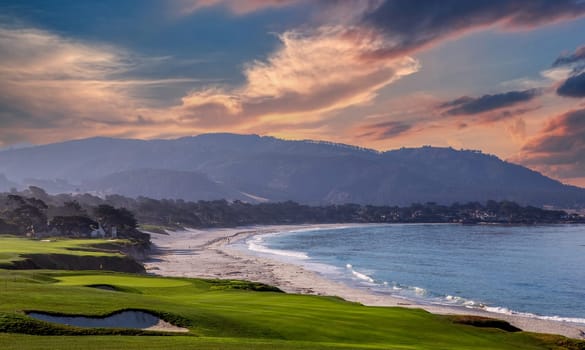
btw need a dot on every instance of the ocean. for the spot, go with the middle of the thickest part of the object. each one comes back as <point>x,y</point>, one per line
<point>538,271</point>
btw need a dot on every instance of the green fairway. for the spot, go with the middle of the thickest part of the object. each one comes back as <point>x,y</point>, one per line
<point>121,281</point>
<point>11,248</point>
<point>224,315</point>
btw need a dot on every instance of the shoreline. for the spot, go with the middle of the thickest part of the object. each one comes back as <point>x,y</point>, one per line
<point>209,254</point>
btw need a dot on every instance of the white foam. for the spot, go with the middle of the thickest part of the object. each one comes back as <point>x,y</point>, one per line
<point>506,311</point>
<point>419,291</point>
<point>256,244</point>
<point>359,275</point>
<point>308,229</point>
<point>314,228</point>
<point>362,276</point>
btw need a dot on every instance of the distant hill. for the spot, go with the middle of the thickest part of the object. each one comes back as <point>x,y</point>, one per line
<point>160,184</point>
<point>254,168</point>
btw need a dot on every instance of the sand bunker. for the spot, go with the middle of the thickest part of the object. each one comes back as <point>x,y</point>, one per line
<point>124,319</point>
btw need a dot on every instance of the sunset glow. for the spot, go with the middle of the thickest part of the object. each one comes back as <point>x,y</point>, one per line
<point>504,77</point>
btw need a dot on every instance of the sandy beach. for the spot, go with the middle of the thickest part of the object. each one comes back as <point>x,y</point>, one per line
<point>210,254</point>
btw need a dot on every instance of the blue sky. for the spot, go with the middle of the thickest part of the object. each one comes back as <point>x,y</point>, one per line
<point>377,73</point>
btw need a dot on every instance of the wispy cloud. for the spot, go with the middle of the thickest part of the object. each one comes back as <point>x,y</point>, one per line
<point>413,25</point>
<point>347,59</point>
<point>574,86</point>
<point>382,130</point>
<point>416,115</point>
<point>53,86</point>
<point>576,57</point>
<point>309,74</point>
<point>477,105</point>
<point>558,149</point>
<point>48,80</point>
<point>569,73</point>
<point>238,7</point>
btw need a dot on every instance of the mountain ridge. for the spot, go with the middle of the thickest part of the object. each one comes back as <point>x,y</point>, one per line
<point>313,172</point>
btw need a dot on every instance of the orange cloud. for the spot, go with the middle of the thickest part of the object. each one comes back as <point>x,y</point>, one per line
<point>54,87</point>
<point>310,74</point>
<point>66,87</point>
<point>383,130</point>
<point>559,148</point>
<point>50,81</point>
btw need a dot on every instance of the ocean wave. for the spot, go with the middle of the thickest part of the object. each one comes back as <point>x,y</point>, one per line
<point>419,291</point>
<point>463,302</point>
<point>308,229</point>
<point>359,275</point>
<point>506,311</point>
<point>256,244</point>
<point>315,228</point>
<point>459,301</point>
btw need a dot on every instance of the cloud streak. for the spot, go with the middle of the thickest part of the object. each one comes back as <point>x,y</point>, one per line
<point>48,79</point>
<point>53,87</point>
<point>383,130</point>
<point>413,25</point>
<point>476,105</point>
<point>574,86</point>
<point>238,7</point>
<point>559,148</point>
<point>311,73</point>
<point>578,56</point>
<point>354,53</point>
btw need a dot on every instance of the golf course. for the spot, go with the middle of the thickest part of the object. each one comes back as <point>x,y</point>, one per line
<point>218,314</point>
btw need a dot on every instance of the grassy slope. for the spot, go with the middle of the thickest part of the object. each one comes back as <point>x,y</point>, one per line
<point>221,317</point>
<point>11,248</point>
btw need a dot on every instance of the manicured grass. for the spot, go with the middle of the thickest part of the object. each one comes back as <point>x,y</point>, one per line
<point>11,248</point>
<point>222,317</point>
<point>121,281</point>
<point>19,342</point>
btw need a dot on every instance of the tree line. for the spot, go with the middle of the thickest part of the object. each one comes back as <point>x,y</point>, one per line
<point>33,211</point>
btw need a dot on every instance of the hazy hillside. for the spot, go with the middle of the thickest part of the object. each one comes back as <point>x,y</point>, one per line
<point>232,166</point>
<point>160,184</point>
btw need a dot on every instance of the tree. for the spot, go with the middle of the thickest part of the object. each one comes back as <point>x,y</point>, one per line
<point>69,208</point>
<point>110,217</point>
<point>28,214</point>
<point>73,225</point>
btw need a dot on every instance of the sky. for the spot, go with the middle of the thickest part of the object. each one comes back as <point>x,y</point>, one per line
<point>503,76</point>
